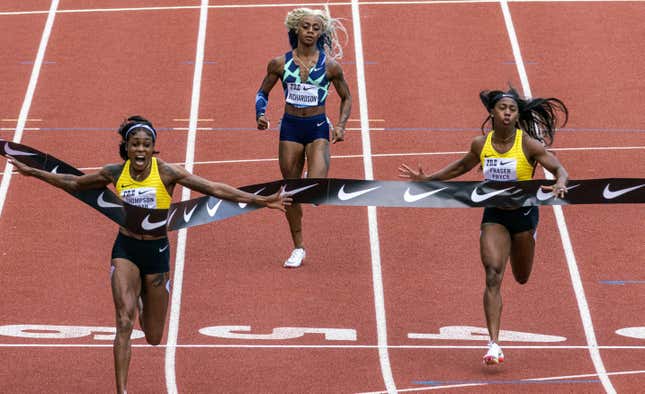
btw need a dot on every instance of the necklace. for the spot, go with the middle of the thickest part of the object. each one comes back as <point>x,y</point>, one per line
<point>306,65</point>
<point>505,140</point>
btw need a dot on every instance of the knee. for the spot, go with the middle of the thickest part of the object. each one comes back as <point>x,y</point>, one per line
<point>124,323</point>
<point>153,339</point>
<point>291,169</point>
<point>153,334</point>
<point>522,271</point>
<point>522,279</point>
<point>493,277</point>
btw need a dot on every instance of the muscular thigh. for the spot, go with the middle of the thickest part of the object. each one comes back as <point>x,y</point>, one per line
<point>155,293</point>
<point>291,156</point>
<point>318,158</point>
<point>495,245</point>
<point>523,248</point>
<point>126,283</point>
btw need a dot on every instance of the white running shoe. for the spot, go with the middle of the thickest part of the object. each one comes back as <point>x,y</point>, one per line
<point>494,355</point>
<point>295,260</point>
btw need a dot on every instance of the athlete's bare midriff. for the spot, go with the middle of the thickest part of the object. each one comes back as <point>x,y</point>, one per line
<point>304,112</point>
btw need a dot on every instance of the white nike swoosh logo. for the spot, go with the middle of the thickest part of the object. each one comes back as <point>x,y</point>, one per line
<point>296,191</point>
<point>343,196</point>
<point>161,250</point>
<point>476,197</point>
<point>212,211</point>
<point>188,215</point>
<point>527,212</point>
<point>104,204</point>
<point>320,124</point>
<point>608,194</point>
<point>172,213</point>
<point>54,170</point>
<point>543,196</point>
<point>409,197</point>
<point>147,225</point>
<point>12,152</point>
<point>243,204</point>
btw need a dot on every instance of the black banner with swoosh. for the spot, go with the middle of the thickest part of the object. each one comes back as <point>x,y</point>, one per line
<point>347,192</point>
<point>404,194</point>
<point>103,200</point>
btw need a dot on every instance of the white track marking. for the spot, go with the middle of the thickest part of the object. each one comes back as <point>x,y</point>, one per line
<point>303,346</point>
<point>175,307</point>
<point>26,104</point>
<point>479,384</point>
<point>576,280</point>
<point>293,5</point>
<point>377,277</point>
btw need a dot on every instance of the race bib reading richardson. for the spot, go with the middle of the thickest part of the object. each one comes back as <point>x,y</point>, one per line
<point>302,94</point>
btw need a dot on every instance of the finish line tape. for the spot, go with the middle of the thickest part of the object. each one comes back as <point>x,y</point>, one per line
<point>346,192</point>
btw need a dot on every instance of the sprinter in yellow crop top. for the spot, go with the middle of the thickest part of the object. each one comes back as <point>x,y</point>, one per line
<point>520,130</point>
<point>140,263</point>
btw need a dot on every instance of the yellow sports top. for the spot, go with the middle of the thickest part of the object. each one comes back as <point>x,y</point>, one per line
<point>509,166</point>
<point>149,193</point>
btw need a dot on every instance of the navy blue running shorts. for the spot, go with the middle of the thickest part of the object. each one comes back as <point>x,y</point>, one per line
<point>304,130</point>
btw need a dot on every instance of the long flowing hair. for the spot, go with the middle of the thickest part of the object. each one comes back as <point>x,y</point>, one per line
<point>328,41</point>
<point>538,117</point>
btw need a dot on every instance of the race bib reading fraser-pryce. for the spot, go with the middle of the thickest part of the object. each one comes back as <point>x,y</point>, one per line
<point>500,169</point>
<point>302,94</point>
<point>144,197</point>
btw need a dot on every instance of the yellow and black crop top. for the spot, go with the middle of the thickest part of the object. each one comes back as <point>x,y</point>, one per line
<point>509,166</point>
<point>150,193</point>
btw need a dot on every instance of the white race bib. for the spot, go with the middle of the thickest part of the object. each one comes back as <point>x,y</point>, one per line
<point>500,169</point>
<point>144,197</point>
<point>302,94</point>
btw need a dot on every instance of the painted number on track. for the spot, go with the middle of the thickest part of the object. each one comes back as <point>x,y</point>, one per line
<point>469,333</point>
<point>632,332</point>
<point>279,333</point>
<point>41,331</point>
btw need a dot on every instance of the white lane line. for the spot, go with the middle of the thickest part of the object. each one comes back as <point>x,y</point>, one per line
<point>377,278</point>
<point>262,346</point>
<point>520,381</point>
<point>26,104</point>
<point>178,278</point>
<point>583,306</point>
<point>293,5</point>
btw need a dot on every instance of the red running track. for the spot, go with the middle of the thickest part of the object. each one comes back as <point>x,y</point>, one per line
<point>424,65</point>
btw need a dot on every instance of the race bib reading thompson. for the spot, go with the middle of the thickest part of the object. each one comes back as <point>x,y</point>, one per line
<point>500,169</point>
<point>144,197</point>
<point>302,94</point>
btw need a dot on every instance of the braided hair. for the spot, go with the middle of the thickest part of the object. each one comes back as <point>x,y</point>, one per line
<point>126,129</point>
<point>328,41</point>
<point>537,116</point>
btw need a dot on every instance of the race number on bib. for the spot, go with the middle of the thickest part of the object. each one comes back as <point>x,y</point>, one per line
<point>500,169</point>
<point>302,94</point>
<point>144,197</point>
